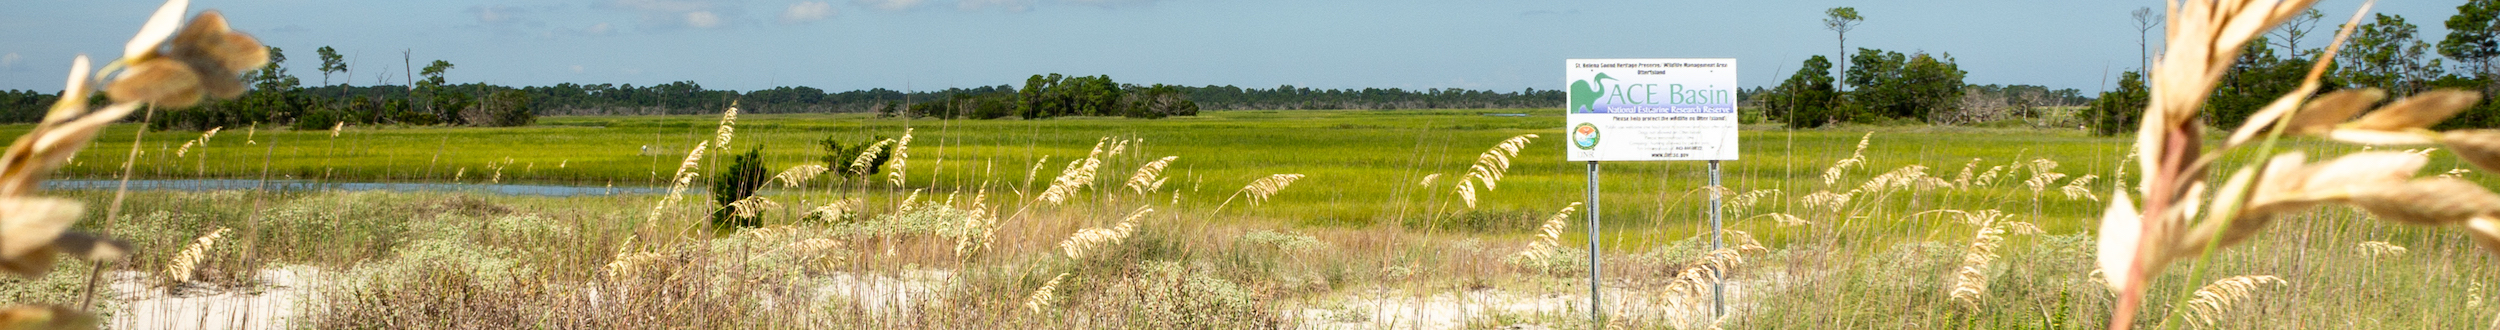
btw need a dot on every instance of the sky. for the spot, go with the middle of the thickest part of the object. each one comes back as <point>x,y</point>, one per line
<point>839,45</point>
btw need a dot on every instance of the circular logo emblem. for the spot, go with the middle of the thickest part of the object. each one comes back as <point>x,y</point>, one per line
<point>1584,136</point>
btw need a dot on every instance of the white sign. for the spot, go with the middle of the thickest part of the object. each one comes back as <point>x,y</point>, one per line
<point>1651,109</point>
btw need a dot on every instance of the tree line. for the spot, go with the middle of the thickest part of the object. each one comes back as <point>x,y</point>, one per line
<point>428,98</point>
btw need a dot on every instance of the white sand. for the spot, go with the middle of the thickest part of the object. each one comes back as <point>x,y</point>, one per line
<point>268,307</point>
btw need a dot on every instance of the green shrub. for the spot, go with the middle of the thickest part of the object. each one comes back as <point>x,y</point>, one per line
<point>839,156</point>
<point>744,174</point>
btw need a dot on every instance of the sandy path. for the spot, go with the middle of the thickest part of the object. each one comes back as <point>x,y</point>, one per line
<point>148,307</point>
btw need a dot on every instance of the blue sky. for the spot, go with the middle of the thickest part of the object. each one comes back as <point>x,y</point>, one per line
<point>933,44</point>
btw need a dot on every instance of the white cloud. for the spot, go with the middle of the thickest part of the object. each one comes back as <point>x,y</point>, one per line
<point>807,11</point>
<point>702,19</point>
<point>10,61</point>
<point>1112,3</point>
<point>577,69</point>
<point>889,4</point>
<point>600,29</point>
<point>494,14</point>
<point>1007,5</point>
<point>662,14</point>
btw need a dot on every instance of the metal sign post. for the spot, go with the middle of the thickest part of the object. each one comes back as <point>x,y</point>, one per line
<point>1716,287</point>
<point>1597,314</point>
<point>1649,109</point>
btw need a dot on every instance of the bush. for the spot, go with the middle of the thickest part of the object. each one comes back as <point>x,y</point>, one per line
<point>744,174</point>
<point>839,156</point>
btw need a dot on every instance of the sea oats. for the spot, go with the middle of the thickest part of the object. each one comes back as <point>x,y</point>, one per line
<point>901,154</point>
<point>677,188</point>
<point>2080,188</point>
<point>1826,201</point>
<point>1970,281</point>
<point>1745,202</point>
<point>979,226</point>
<point>1490,167</point>
<point>1149,177</point>
<point>1042,297</point>
<point>798,175</point>
<point>205,61</point>
<point>728,122</point>
<point>865,162</point>
<point>2215,299</point>
<point>2416,112</point>
<point>631,265</point>
<point>837,210</point>
<point>750,206</point>
<point>1259,190</point>
<point>184,264</point>
<point>1549,236</point>
<point>1831,175</point>
<point>2040,182</point>
<point>1077,175</point>
<point>202,141</point>
<point>2206,39</point>
<point>1092,241</point>
<point>1428,179</point>
<point>2381,249</point>
<point>1787,220</point>
<point>1989,178</point>
<point>1963,180</point>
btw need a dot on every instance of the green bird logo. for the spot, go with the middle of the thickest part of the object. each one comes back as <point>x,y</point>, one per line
<point>1584,96</point>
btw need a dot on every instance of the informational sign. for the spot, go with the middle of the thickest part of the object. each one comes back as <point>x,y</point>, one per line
<point>1651,109</point>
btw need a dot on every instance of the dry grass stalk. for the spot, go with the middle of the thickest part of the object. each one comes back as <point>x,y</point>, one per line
<point>2206,38</point>
<point>1428,180</point>
<point>798,175</point>
<point>202,141</point>
<point>1787,220</point>
<point>169,63</point>
<point>677,187</point>
<point>2215,299</point>
<point>2042,175</point>
<point>860,165</point>
<point>1549,236</point>
<point>750,206</point>
<point>2474,293</point>
<point>184,264</point>
<point>901,154</point>
<point>2380,249</point>
<point>2081,188</point>
<point>1490,166</point>
<point>1963,180</point>
<point>1970,282</point>
<point>1906,177</point>
<point>1827,201</point>
<point>1149,177</point>
<point>1031,172</point>
<point>1091,241</point>
<point>836,210</point>
<point>632,265</point>
<point>1989,178</point>
<point>1042,297</point>
<point>1259,190</point>
<point>1078,175</point>
<point>1831,175</point>
<point>728,123</point>
<point>979,226</point>
<point>1745,202</point>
